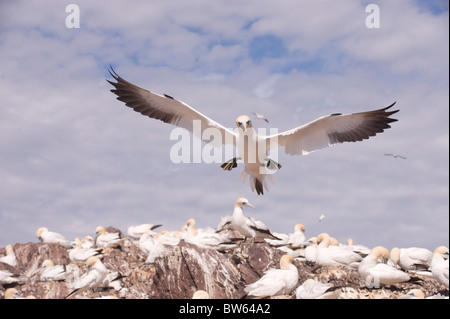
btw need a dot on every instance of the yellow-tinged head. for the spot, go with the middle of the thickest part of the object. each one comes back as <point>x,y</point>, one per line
<point>243,122</point>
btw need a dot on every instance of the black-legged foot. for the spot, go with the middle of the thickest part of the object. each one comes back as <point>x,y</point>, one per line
<point>229,165</point>
<point>272,165</point>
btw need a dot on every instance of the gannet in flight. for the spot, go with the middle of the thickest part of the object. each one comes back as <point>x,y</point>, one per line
<point>395,155</point>
<point>260,117</point>
<point>253,148</point>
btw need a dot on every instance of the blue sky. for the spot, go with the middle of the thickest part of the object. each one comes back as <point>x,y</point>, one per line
<point>73,157</point>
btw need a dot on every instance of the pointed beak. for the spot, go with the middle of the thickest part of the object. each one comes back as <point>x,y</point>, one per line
<point>243,126</point>
<point>249,205</point>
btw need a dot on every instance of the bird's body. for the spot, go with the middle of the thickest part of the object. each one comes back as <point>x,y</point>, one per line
<point>93,278</point>
<point>51,272</point>
<point>49,237</point>
<point>275,281</point>
<point>439,265</point>
<point>105,239</point>
<point>412,258</point>
<point>245,226</point>
<point>378,274</point>
<point>254,149</point>
<point>10,257</point>
<point>312,289</point>
<point>327,255</point>
<point>136,232</point>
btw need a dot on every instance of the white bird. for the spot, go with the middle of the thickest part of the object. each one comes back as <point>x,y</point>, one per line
<point>92,279</point>
<point>105,239</point>
<point>362,250</point>
<point>10,257</point>
<point>412,258</point>
<point>78,253</point>
<point>310,250</point>
<point>7,277</point>
<point>260,117</point>
<point>49,237</point>
<point>136,232</point>
<point>327,255</point>
<point>314,289</point>
<point>378,274</point>
<point>275,281</point>
<point>321,217</point>
<point>207,238</point>
<point>51,272</point>
<point>253,148</point>
<point>245,226</point>
<point>394,155</point>
<point>439,265</point>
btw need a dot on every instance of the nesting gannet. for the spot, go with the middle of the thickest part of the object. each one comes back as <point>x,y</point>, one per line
<point>314,289</point>
<point>327,255</point>
<point>51,272</point>
<point>310,250</point>
<point>207,238</point>
<point>275,281</point>
<point>439,265</point>
<point>260,117</point>
<point>253,148</point>
<point>246,226</point>
<point>362,250</point>
<point>136,232</point>
<point>105,239</point>
<point>378,274</point>
<point>78,253</point>
<point>10,257</point>
<point>7,277</point>
<point>412,258</point>
<point>93,278</point>
<point>12,293</point>
<point>49,237</point>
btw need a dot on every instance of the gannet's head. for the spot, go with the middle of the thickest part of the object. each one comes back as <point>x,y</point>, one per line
<point>380,252</point>
<point>442,250</point>
<point>325,238</point>
<point>285,261</point>
<point>299,227</point>
<point>243,202</point>
<point>91,261</point>
<point>47,263</point>
<point>40,231</point>
<point>244,122</point>
<point>11,293</point>
<point>100,230</point>
<point>191,223</point>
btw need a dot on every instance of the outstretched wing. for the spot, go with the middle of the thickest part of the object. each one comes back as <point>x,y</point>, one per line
<point>170,110</point>
<point>332,129</point>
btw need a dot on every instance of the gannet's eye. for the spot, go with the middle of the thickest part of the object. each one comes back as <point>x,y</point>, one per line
<point>248,122</point>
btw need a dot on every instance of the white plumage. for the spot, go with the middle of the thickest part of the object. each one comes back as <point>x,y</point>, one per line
<point>275,281</point>
<point>320,133</point>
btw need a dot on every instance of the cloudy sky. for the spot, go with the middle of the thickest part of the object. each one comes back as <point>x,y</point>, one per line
<point>73,157</point>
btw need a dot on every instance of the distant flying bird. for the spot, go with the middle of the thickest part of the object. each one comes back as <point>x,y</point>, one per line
<point>322,217</point>
<point>260,117</point>
<point>394,155</point>
<point>253,148</point>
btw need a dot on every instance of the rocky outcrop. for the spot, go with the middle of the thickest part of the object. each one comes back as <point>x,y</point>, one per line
<point>184,268</point>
